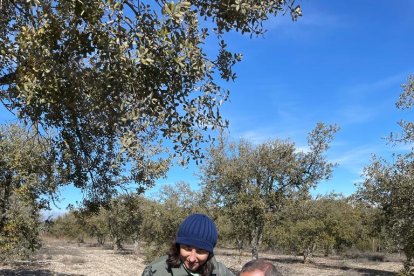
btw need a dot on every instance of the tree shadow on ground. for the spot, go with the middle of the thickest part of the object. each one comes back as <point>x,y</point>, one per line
<point>25,271</point>
<point>125,252</point>
<point>287,260</point>
<point>362,271</point>
<point>109,247</point>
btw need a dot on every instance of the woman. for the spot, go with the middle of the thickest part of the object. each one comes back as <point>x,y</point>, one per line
<point>192,251</point>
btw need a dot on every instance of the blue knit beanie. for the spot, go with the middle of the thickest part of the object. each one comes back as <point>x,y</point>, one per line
<point>199,231</point>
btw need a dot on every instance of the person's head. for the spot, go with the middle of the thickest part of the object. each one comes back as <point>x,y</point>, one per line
<point>194,244</point>
<point>259,267</point>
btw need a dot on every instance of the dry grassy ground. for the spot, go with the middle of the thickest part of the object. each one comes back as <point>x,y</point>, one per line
<point>64,259</point>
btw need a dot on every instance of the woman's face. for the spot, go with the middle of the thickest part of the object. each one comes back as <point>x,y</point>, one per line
<point>192,257</point>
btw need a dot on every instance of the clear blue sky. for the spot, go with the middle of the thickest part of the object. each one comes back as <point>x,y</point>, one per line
<point>343,62</point>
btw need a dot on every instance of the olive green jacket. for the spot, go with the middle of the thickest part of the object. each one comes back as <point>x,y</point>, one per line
<point>159,268</point>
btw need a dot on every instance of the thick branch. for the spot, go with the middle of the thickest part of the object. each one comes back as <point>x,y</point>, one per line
<point>8,79</point>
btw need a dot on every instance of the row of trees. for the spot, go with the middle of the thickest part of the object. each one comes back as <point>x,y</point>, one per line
<point>131,219</point>
<point>303,226</point>
<point>258,194</point>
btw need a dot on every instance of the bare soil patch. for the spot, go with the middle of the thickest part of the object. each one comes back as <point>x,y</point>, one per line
<point>64,259</point>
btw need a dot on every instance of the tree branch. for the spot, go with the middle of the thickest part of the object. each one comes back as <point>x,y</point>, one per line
<point>8,78</point>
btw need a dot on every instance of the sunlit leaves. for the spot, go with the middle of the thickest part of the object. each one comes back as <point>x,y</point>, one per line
<point>28,176</point>
<point>125,85</point>
<point>266,174</point>
<point>390,185</point>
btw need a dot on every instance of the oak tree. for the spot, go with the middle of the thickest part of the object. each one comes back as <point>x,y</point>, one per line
<point>252,181</point>
<point>305,225</point>
<point>28,178</point>
<point>389,185</point>
<point>115,79</point>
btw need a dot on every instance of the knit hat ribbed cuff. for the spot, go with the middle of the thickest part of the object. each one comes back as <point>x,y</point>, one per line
<point>195,243</point>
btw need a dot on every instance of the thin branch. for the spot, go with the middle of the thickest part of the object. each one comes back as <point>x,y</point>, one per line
<point>131,6</point>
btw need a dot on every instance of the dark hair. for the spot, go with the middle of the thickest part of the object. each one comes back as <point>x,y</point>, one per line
<point>260,264</point>
<point>174,261</point>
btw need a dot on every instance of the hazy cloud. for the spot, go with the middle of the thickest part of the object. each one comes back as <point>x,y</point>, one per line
<point>313,18</point>
<point>390,83</point>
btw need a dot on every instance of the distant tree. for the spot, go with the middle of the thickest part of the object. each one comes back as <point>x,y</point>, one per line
<point>306,224</point>
<point>182,195</point>
<point>372,235</point>
<point>120,221</point>
<point>342,221</point>
<point>251,182</point>
<point>390,185</point>
<point>68,226</point>
<point>123,218</point>
<point>114,79</point>
<point>28,177</point>
<point>97,227</point>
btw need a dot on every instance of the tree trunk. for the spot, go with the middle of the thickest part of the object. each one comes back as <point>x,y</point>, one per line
<point>257,236</point>
<point>327,250</point>
<point>101,239</point>
<point>409,267</point>
<point>81,239</point>
<point>255,252</point>
<point>306,255</point>
<point>240,247</point>
<point>4,202</point>
<point>379,244</point>
<point>118,244</point>
<point>373,244</point>
<point>136,246</point>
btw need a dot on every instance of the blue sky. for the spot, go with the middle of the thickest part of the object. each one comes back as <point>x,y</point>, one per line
<point>343,62</point>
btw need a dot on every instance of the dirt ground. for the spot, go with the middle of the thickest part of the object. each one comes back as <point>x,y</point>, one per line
<point>64,259</point>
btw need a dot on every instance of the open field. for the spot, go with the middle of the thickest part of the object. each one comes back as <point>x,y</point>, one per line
<point>64,259</point>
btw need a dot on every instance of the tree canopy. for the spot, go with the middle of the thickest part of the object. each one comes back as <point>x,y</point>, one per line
<point>252,181</point>
<point>389,185</point>
<point>27,178</point>
<point>115,79</point>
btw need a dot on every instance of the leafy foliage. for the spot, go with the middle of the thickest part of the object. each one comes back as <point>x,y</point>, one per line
<point>67,226</point>
<point>115,79</point>
<point>123,218</point>
<point>27,178</point>
<point>302,225</point>
<point>390,185</point>
<point>252,182</point>
<point>326,223</point>
<point>120,221</point>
